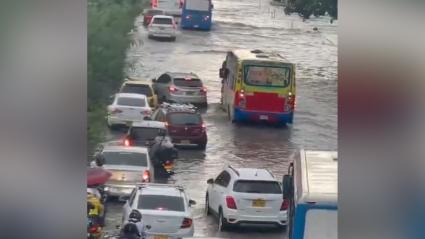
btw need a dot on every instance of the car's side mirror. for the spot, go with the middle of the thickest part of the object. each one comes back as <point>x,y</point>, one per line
<point>192,202</point>
<point>210,181</point>
<point>287,186</point>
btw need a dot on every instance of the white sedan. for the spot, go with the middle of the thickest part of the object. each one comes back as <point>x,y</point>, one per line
<point>165,208</point>
<point>128,108</point>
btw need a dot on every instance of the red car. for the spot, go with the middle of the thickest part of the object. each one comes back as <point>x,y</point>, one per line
<point>185,125</point>
<point>149,13</point>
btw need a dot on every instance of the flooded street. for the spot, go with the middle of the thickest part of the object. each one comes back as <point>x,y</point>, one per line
<point>250,24</point>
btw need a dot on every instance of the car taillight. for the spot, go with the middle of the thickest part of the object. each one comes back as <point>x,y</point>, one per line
<point>146,176</point>
<point>204,90</point>
<point>172,89</point>
<point>285,205</point>
<point>187,222</point>
<point>127,142</point>
<point>93,229</point>
<point>146,112</point>
<point>230,202</point>
<point>204,127</point>
<point>116,111</point>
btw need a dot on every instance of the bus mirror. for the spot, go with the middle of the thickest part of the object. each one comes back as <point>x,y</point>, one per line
<point>287,187</point>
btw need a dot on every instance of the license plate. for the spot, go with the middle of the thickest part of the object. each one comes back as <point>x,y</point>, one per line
<point>160,237</point>
<point>161,28</point>
<point>185,141</point>
<point>264,117</point>
<point>190,93</point>
<point>259,203</point>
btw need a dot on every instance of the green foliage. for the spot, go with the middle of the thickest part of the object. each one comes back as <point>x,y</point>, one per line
<point>109,22</point>
<point>306,8</point>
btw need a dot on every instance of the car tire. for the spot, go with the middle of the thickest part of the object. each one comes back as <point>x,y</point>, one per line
<point>173,38</point>
<point>207,205</point>
<point>222,222</point>
<point>283,228</point>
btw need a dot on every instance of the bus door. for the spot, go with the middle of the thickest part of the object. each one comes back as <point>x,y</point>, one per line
<point>230,84</point>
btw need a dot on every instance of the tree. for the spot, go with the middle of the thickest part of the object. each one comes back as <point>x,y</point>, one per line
<point>305,8</point>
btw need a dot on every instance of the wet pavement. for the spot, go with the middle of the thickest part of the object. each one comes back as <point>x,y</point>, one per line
<point>251,24</point>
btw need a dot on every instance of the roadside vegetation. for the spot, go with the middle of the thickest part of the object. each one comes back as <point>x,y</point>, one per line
<point>306,8</point>
<point>109,22</point>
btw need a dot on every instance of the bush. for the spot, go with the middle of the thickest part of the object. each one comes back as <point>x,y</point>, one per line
<point>305,8</point>
<point>109,22</point>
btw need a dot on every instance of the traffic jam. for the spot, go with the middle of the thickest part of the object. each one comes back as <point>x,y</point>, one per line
<point>156,122</point>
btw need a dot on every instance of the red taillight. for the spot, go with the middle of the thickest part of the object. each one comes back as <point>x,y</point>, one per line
<point>172,89</point>
<point>93,229</point>
<point>204,127</point>
<point>127,142</point>
<point>285,205</point>
<point>146,176</point>
<point>204,90</point>
<point>187,222</point>
<point>230,201</point>
<point>116,111</point>
<point>291,101</point>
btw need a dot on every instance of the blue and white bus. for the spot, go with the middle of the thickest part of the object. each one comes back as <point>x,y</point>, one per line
<point>197,14</point>
<point>311,190</point>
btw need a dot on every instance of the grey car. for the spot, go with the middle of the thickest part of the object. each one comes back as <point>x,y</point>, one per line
<point>180,88</point>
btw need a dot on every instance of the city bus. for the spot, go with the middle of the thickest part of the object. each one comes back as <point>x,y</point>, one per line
<point>258,86</point>
<point>310,188</point>
<point>170,7</point>
<point>197,14</point>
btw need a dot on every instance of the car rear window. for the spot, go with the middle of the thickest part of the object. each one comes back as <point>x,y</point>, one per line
<point>160,20</point>
<point>155,12</point>
<point>126,101</point>
<point>126,158</point>
<point>161,202</point>
<point>144,134</point>
<point>266,187</point>
<point>184,119</point>
<point>192,82</point>
<point>137,89</point>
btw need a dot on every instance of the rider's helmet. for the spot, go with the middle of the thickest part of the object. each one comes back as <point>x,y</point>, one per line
<point>135,216</point>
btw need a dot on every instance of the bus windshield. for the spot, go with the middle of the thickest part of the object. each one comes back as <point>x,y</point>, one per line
<point>198,5</point>
<point>321,224</point>
<point>267,76</point>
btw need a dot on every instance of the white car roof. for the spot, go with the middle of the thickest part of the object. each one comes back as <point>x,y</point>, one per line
<point>162,189</point>
<point>149,124</point>
<point>163,16</point>
<point>134,149</point>
<point>257,174</point>
<point>131,95</point>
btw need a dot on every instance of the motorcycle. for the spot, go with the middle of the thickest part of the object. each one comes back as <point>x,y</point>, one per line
<point>94,230</point>
<point>163,153</point>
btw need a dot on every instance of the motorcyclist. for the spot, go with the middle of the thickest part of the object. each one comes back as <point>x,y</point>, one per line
<point>96,211</point>
<point>133,229</point>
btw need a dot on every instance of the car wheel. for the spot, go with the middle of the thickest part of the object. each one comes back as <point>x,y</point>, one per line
<point>283,227</point>
<point>207,205</point>
<point>173,38</point>
<point>222,222</point>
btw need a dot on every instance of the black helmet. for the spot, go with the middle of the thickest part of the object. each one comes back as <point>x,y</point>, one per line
<point>99,159</point>
<point>135,216</point>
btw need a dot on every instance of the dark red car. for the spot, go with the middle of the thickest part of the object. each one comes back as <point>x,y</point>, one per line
<point>149,13</point>
<point>185,125</point>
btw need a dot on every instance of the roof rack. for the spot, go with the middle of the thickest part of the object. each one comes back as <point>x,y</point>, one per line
<point>178,107</point>
<point>143,185</point>
<point>234,170</point>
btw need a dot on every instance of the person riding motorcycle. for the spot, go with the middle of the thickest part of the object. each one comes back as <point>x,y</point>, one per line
<point>133,229</point>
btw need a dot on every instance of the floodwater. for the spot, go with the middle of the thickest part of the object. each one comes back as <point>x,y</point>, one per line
<point>251,24</point>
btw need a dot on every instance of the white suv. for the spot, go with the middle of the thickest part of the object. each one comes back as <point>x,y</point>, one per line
<point>165,208</point>
<point>162,26</point>
<point>246,195</point>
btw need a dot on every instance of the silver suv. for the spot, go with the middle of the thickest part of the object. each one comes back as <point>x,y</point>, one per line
<point>180,88</point>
